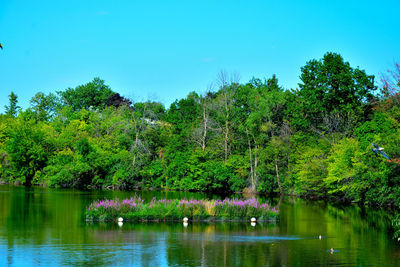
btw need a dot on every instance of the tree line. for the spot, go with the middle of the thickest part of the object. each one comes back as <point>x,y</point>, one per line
<point>313,141</point>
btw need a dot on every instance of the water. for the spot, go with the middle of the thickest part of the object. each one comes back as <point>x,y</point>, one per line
<point>46,227</point>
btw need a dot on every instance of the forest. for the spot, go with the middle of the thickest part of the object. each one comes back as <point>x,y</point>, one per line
<point>312,141</point>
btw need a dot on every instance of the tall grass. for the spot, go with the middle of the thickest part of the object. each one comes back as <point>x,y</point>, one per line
<point>135,209</point>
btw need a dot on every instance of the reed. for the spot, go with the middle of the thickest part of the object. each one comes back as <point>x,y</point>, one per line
<point>135,209</point>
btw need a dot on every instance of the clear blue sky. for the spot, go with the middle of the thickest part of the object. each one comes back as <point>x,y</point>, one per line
<point>164,49</point>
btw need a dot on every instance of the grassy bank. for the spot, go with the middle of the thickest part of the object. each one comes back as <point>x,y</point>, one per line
<point>135,209</point>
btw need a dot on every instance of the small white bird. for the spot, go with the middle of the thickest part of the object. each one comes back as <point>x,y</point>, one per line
<point>253,219</point>
<point>185,219</point>
<point>120,219</point>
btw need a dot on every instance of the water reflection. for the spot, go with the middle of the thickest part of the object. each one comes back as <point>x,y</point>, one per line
<point>39,226</point>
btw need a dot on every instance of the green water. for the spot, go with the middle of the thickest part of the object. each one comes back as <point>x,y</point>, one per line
<point>46,227</point>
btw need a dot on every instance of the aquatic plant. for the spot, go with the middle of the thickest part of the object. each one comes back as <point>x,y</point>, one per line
<point>396,227</point>
<point>135,209</point>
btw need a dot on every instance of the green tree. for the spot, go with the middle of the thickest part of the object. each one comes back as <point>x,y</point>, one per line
<point>332,85</point>
<point>311,169</point>
<point>29,148</point>
<point>93,94</point>
<point>43,106</point>
<point>12,108</point>
<point>345,168</point>
<point>258,106</point>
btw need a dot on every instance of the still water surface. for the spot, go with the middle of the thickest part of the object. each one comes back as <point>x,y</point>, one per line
<point>46,227</point>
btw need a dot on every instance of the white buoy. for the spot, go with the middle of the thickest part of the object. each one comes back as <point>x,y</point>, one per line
<point>120,219</point>
<point>120,224</point>
<point>320,237</point>
<point>185,219</point>
<point>253,219</point>
<point>253,224</point>
<point>185,224</point>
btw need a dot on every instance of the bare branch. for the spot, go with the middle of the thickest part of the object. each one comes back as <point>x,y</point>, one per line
<point>390,83</point>
<point>222,78</point>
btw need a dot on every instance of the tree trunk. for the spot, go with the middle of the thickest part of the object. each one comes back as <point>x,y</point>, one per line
<point>205,121</point>
<point>251,161</point>
<point>226,123</point>
<point>255,165</point>
<point>135,144</point>
<point>226,140</point>
<point>277,177</point>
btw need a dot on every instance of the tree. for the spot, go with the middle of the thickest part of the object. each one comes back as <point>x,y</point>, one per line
<point>183,114</point>
<point>12,108</point>
<point>255,117</point>
<point>206,124</point>
<point>343,179</point>
<point>331,85</point>
<point>91,95</point>
<point>29,149</point>
<point>225,104</point>
<point>117,100</point>
<point>44,107</point>
<point>391,83</point>
<point>311,170</point>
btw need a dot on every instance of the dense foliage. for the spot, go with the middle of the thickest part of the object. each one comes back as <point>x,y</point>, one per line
<point>314,141</point>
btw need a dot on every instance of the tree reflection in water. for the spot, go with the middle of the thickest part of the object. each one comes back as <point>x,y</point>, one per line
<point>40,226</point>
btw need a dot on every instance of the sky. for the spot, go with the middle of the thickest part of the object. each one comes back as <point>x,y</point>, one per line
<point>162,50</point>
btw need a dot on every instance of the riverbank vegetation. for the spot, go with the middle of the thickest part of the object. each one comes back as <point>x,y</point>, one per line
<point>311,141</point>
<point>135,209</point>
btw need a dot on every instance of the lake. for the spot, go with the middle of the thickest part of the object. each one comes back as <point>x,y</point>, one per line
<point>46,227</point>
